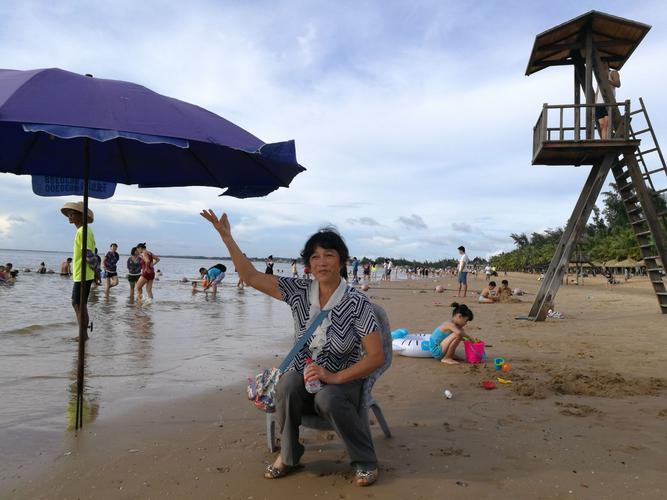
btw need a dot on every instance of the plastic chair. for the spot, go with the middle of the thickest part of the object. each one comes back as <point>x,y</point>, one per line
<point>367,401</point>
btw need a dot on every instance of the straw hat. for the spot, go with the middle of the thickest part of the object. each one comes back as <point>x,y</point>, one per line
<point>76,207</point>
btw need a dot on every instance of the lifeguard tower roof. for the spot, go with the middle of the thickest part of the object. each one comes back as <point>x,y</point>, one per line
<point>614,37</point>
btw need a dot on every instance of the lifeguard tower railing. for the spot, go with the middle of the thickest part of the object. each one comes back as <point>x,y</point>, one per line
<point>560,137</point>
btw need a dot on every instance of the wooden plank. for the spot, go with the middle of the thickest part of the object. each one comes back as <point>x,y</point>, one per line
<point>573,231</point>
<point>558,47</point>
<point>650,127</point>
<point>588,82</point>
<point>546,64</point>
<point>577,101</point>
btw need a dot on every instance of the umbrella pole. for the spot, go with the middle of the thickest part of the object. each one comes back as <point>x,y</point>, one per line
<point>83,298</point>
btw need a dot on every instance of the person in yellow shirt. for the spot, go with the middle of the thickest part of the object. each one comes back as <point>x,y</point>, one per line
<point>74,213</point>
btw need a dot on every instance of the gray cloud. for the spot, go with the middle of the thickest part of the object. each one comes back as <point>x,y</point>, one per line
<point>16,218</point>
<point>461,227</point>
<point>364,221</point>
<point>414,221</point>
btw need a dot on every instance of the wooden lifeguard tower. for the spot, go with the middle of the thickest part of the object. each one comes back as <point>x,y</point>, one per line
<point>631,151</point>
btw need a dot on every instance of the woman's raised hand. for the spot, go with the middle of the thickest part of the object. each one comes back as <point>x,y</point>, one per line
<point>221,225</point>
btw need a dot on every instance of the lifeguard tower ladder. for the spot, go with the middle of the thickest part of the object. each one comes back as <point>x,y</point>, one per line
<point>559,138</point>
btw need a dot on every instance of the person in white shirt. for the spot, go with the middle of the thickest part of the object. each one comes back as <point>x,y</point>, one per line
<point>463,272</point>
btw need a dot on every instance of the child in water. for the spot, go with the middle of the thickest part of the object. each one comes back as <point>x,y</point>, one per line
<point>211,277</point>
<point>445,338</point>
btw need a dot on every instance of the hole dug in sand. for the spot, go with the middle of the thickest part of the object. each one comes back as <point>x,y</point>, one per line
<point>610,385</point>
<point>590,383</point>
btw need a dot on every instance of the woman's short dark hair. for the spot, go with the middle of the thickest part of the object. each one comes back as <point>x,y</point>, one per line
<point>329,239</point>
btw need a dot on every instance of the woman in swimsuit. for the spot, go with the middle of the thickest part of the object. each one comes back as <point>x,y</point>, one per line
<point>133,270</point>
<point>148,261</point>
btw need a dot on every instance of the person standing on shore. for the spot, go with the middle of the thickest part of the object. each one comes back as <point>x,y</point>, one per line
<point>355,270</point>
<point>269,265</point>
<point>295,271</point>
<point>462,272</point>
<point>110,271</point>
<point>74,214</point>
<point>148,261</point>
<point>133,270</point>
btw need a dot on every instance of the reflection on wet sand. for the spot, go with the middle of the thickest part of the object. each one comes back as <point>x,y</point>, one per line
<point>91,406</point>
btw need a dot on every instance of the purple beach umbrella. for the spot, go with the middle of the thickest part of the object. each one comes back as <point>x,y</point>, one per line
<point>57,123</point>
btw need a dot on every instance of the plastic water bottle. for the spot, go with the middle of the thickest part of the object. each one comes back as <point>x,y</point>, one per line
<point>312,386</point>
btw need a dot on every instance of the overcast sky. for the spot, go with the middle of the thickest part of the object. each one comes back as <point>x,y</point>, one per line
<point>413,118</point>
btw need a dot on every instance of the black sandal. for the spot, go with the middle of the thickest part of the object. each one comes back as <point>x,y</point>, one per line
<point>272,472</point>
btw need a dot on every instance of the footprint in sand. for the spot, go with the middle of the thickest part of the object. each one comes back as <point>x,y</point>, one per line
<point>447,452</point>
<point>577,410</point>
<point>468,424</point>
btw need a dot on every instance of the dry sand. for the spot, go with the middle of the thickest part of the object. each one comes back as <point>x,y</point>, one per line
<point>585,417</point>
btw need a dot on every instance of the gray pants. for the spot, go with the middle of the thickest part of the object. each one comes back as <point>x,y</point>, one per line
<point>337,403</point>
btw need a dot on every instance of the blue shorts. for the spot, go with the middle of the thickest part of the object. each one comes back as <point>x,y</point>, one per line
<point>463,277</point>
<point>435,340</point>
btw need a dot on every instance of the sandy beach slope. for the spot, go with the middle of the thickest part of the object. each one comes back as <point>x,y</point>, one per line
<point>585,417</point>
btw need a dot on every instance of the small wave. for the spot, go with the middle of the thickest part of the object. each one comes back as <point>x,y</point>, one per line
<point>26,330</point>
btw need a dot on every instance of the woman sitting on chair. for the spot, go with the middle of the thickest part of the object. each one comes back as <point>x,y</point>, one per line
<point>349,330</point>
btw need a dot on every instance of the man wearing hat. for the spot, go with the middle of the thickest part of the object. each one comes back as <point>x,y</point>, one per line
<point>74,213</point>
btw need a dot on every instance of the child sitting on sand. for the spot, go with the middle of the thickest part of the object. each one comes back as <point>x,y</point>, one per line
<point>447,337</point>
<point>504,290</point>
<point>488,295</point>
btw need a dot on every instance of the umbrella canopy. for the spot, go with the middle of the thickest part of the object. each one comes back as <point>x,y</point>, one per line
<point>140,137</point>
<point>57,123</point>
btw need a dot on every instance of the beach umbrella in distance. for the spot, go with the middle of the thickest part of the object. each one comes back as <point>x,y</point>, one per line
<point>57,123</point>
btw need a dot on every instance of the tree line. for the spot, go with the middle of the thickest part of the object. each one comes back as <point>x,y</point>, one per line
<point>608,235</point>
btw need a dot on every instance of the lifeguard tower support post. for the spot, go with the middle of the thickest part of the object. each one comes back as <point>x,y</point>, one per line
<point>559,138</point>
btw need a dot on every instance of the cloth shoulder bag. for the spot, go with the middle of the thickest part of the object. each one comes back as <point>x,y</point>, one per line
<point>262,389</point>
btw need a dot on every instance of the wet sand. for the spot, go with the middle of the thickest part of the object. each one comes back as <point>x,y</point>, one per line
<point>585,416</point>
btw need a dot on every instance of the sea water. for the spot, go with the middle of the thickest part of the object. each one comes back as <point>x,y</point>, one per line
<point>176,346</point>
